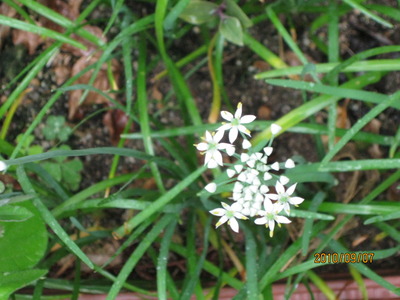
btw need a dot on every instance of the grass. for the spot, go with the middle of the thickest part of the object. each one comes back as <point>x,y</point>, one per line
<point>171,221</point>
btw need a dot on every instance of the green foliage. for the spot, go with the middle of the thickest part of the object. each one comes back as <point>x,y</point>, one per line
<point>26,146</point>
<point>23,243</point>
<point>65,171</point>
<point>56,129</point>
<point>232,20</point>
<point>199,12</point>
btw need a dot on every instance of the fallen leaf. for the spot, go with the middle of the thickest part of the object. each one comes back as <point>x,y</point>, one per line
<point>101,83</point>
<point>28,39</point>
<point>115,120</point>
<point>7,11</point>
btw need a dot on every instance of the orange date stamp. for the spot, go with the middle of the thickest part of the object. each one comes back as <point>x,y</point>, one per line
<point>347,258</point>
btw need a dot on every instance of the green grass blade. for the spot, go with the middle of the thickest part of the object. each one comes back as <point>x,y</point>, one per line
<point>50,220</point>
<point>348,166</point>
<point>195,274</point>
<point>10,22</point>
<point>315,203</point>
<point>386,217</point>
<point>368,13</point>
<point>373,65</point>
<point>251,265</point>
<point>172,17</point>
<point>159,203</point>
<point>162,261</point>
<point>363,269</point>
<point>360,282</point>
<point>262,51</point>
<point>137,254</point>
<point>359,125</point>
<point>62,21</point>
<point>321,285</point>
<point>311,107</point>
<point>286,36</point>
<point>304,128</point>
<point>116,9</point>
<point>211,268</point>
<point>342,91</point>
<point>44,58</point>
<point>143,112</point>
<point>181,89</point>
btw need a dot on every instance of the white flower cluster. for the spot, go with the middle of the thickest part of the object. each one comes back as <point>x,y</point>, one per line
<point>251,176</point>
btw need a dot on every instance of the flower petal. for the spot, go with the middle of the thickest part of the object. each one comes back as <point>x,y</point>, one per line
<point>275,166</point>
<point>3,166</point>
<point>212,164</point>
<point>202,146</point>
<point>244,129</point>
<point>238,112</point>
<point>224,127</point>
<point>211,187</point>
<point>208,136</point>
<point>247,119</point>
<point>218,212</point>
<point>289,164</point>
<point>275,128</point>
<point>226,206</point>
<point>296,200</point>
<point>238,168</point>
<point>267,176</point>
<point>264,189</point>
<point>230,173</point>
<point>230,150</point>
<point>246,144</point>
<point>279,188</point>
<point>290,190</point>
<point>244,157</point>
<point>268,206</point>
<point>233,133</point>
<point>268,150</point>
<point>271,225</point>
<point>226,115</point>
<point>234,224</point>
<point>260,221</point>
<point>283,179</point>
<point>218,158</point>
<point>221,221</point>
<point>218,136</point>
<point>282,219</point>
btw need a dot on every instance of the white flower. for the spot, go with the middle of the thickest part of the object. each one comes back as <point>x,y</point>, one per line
<point>284,197</point>
<point>270,216</point>
<point>230,172</point>
<point>283,179</point>
<point>3,166</point>
<point>246,144</point>
<point>211,187</point>
<point>275,129</point>
<point>229,213</point>
<point>268,150</point>
<point>236,123</point>
<point>211,147</point>
<point>289,164</point>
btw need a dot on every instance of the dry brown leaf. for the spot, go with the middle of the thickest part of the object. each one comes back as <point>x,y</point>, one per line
<point>100,83</point>
<point>90,48</point>
<point>7,11</point>
<point>116,120</point>
<point>373,126</point>
<point>28,39</point>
